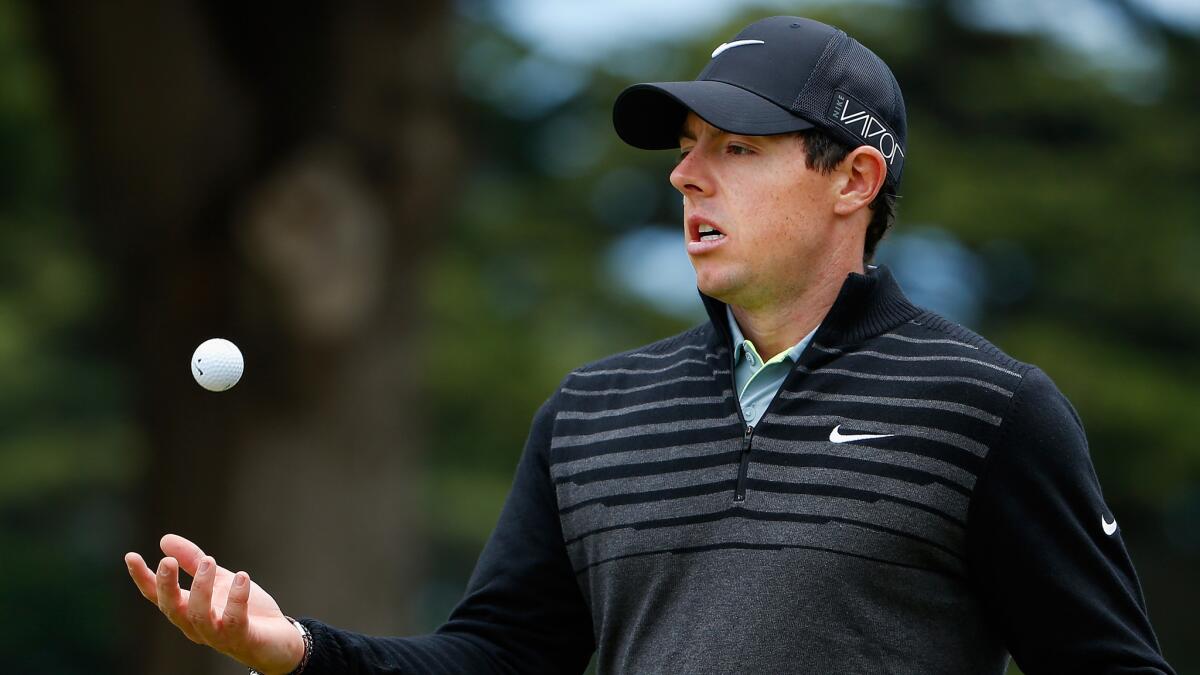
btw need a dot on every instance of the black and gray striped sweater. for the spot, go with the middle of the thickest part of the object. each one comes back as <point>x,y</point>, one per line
<point>913,501</point>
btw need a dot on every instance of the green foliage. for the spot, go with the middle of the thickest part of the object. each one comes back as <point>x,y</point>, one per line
<point>62,421</point>
<point>67,443</point>
<point>516,295</point>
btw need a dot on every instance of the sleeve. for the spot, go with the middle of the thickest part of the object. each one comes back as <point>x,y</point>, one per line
<point>1045,553</point>
<point>523,611</point>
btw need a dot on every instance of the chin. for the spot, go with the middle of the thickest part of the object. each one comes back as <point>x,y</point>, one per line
<point>719,284</point>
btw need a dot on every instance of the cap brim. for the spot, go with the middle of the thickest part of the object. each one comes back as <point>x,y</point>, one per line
<point>650,115</point>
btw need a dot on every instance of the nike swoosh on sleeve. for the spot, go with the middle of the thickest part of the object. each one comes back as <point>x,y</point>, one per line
<point>1109,528</point>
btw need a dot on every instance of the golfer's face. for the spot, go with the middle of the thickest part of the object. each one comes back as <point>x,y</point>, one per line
<point>754,213</point>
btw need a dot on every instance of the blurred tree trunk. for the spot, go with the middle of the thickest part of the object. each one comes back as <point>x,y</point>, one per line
<point>268,173</point>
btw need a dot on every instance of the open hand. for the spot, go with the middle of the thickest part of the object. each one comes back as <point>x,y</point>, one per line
<point>223,610</point>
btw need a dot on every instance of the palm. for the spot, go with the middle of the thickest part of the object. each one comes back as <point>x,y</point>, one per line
<point>267,625</point>
<point>261,605</point>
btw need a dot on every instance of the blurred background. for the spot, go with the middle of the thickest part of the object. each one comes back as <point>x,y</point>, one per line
<point>414,219</point>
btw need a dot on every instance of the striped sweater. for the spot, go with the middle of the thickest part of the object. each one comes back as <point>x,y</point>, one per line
<point>912,501</point>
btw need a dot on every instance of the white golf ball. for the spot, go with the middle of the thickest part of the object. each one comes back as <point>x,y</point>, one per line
<point>217,364</point>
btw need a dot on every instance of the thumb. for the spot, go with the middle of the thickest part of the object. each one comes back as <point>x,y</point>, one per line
<point>187,553</point>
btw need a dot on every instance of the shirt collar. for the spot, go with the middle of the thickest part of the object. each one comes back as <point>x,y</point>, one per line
<point>739,340</point>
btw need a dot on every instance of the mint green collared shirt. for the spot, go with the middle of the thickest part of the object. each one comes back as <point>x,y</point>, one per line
<point>757,381</point>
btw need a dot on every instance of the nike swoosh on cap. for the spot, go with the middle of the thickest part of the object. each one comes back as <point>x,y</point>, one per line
<point>836,436</point>
<point>1109,528</point>
<point>736,43</point>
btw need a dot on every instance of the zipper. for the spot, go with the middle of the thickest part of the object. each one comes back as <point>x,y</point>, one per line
<point>739,493</point>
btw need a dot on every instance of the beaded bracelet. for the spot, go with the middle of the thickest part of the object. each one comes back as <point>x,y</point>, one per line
<point>308,642</point>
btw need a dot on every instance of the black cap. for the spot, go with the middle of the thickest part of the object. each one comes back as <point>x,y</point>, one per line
<point>781,74</point>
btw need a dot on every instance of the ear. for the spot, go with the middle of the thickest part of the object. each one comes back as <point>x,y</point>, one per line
<point>864,171</point>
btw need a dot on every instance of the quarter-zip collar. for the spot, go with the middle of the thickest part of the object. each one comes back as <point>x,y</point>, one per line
<point>867,305</point>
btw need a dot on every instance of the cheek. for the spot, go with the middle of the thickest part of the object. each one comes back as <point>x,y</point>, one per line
<point>791,227</point>
<point>777,205</point>
<point>780,216</point>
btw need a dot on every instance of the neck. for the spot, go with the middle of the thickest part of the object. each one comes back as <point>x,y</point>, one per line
<point>775,327</point>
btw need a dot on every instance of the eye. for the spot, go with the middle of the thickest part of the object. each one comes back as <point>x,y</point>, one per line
<point>735,149</point>
<point>683,153</point>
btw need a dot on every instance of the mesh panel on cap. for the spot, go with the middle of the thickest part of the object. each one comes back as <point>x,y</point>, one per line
<point>849,67</point>
<point>884,91</point>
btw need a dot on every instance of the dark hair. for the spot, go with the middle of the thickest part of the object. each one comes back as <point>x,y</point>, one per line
<point>824,154</point>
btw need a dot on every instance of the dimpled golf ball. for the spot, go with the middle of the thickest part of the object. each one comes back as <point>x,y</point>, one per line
<point>217,364</point>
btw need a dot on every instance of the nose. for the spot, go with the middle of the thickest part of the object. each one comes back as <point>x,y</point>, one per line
<point>691,176</point>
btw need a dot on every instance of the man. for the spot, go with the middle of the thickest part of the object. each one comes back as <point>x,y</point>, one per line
<point>823,478</point>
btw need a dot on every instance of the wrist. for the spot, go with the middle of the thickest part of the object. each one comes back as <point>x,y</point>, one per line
<point>300,649</point>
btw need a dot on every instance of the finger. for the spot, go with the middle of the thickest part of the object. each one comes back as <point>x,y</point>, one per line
<point>170,598</point>
<point>187,553</point>
<point>199,604</point>
<point>143,577</point>
<point>235,622</point>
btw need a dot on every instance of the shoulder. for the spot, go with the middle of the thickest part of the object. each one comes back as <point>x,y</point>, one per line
<point>1033,416</point>
<point>693,345</point>
<point>668,367</point>
<point>932,333</point>
<point>928,356</point>
<point>932,357</point>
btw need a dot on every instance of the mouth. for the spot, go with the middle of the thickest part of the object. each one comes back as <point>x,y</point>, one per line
<point>703,230</point>
<point>703,236</point>
<point>710,233</point>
